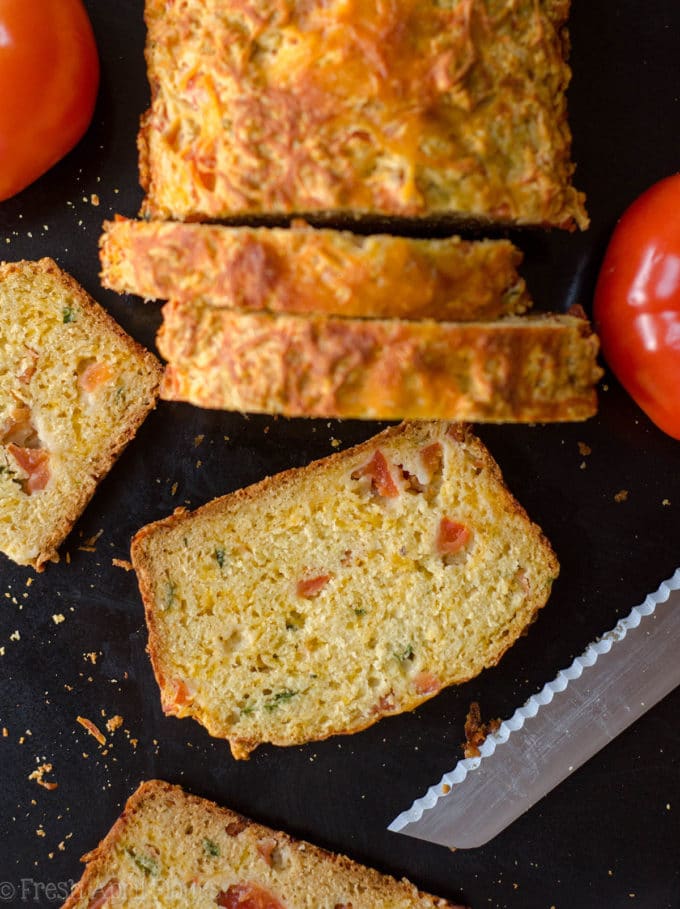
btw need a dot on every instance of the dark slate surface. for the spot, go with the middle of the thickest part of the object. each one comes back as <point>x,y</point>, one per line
<point>610,836</point>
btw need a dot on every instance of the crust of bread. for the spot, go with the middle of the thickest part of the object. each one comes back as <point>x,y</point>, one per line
<point>57,525</point>
<point>535,369</point>
<point>292,109</point>
<point>287,485</point>
<point>302,270</point>
<point>308,875</point>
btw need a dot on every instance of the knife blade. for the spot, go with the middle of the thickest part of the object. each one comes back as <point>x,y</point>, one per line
<point>611,684</point>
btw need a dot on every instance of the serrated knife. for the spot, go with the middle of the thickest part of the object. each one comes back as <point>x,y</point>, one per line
<point>615,680</point>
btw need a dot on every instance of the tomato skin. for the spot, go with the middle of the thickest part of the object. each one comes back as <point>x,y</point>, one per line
<point>637,303</point>
<point>49,77</point>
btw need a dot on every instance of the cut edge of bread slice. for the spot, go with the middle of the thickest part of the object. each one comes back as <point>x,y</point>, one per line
<point>531,369</point>
<point>172,848</point>
<point>304,270</point>
<point>331,586</point>
<point>52,427</point>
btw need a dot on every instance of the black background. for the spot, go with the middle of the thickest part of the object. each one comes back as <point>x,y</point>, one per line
<point>610,835</point>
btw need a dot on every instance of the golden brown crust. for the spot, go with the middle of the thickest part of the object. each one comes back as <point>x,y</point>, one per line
<point>414,434</point>
<point>302,270</point>
<point>30,271</point>
<point>517,370</point>
<point>291,108</point>
<point>157,799</point>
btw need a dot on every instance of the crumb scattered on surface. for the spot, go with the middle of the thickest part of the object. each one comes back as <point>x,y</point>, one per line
<point>198,439</point>
<point>94,199</point>
<point>92,729</point>
<point>621,496</point>
<point>38,775</point>
<point>114,723</point>
<point>584,450</point>
<point>15,636</point>
<point>476,731</point>
<point>122,563</point>
<point>92,656</point>
<point>58,618</point>
<point>666,502</point>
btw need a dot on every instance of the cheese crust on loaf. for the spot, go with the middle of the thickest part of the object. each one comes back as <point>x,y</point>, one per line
<point>540,369</point>
<point>409,108</point>
<point>302,270</point>
<point>324,598</point>
<point>175,850</point>
<point>74,388</point>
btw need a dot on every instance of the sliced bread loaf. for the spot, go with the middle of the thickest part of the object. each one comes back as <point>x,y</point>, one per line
<point>413,108</point>
<point>302,270</point>
<point>177,851</point>
<point>73,390</point>
<point>535,369</point>
<point>324,598</point>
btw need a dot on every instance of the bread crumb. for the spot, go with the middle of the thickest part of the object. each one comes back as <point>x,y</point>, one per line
<point>15,636</point>
<point>621,496</point>
<point>94,199</point>
<point>666,502</point>
<point>584,450</point>
<point>5,732</point>
<point>476,731</point>
<point>40,832</point>
<point>38,775</point>
<point>114,723</point>
<point>92,729</point>
<point>122,563</point>
<point>174,488</point>
<point>58,618</point>
<point>92,656</point>
<point>198,439</point>
<point>335,443</point>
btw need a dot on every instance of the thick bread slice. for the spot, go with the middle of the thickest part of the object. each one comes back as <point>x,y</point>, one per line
<point>175,850</point>
<point>413,108</point>
<point>514,370</point>
<point>302,270</point>
<point>73,390</point>
<point>322,599</point>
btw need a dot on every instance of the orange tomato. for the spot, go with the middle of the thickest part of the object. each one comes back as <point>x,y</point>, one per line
<point>49,76</point>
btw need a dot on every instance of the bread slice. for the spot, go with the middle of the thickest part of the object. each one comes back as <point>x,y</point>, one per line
<point>73,390</point>
<point>411,109</point>
<point>302,270</point>
<point>322,599</point>
<point>175,850</point>
<point>514,370</point>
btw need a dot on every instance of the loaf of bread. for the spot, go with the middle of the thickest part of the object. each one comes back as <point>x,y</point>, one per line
<point>178,851</point>
<point>73,390</point>
<point>324,598</point>
<point>302,270</point>
<point>413,109</point>
<point>514,370</point>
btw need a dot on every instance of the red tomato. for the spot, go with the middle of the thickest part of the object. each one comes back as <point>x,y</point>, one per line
<point>637,303</point>
<point>49,76</point>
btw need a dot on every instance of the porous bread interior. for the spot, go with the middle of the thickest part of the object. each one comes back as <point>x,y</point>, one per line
<point>172,850</point>
<point>396,619</point>
<point>51,326</point>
